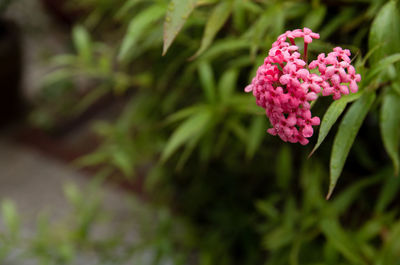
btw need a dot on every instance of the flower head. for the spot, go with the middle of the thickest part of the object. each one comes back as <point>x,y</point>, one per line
<point>285,87</point>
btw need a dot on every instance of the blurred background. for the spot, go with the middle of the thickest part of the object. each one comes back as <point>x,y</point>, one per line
<point>127,138</point>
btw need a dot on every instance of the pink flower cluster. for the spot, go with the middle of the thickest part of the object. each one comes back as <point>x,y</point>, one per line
<point>285,87</point>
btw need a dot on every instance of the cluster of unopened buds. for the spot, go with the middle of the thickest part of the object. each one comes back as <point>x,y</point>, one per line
<point>286,84</point>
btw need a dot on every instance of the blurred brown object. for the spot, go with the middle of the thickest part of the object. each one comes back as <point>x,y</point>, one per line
<point>62,11</point>
<point>10,72</point>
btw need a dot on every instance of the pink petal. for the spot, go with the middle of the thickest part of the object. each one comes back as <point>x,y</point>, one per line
<point>353,86</point>
<point>327,91</point>
<point>335,79</point>
<point>248,88</point>
<point>313,64</point>
<point>272,131</point>
<point>284,79</point>
<point>315,121</point>
<point>307,131</point>
<point>307,39</point>
<point>344,89</point>
<point>303,141</point>
<point>330,70</point>
<point>303,74</point>
<point>311,96</point>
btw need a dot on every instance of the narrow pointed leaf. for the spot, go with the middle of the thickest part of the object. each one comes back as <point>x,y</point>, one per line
<point>346,135</point>
<point>207,81</point>
<point>137,27</point>
<point>389,191</point>
<point>177,14</point>
<point>385,31</point>
<point>184,113</point>
<point>255,136</point>
<point>217,19</point>
<point>190,128</point>
<point>341,241</point>
<point>390,126</point>
<point>227,84</point>
<point>82,42</point>
<point>315,17</point>
<point>383,64</point>
<point>331,116</point>
<point>127,7</point>
<point>225,46</point>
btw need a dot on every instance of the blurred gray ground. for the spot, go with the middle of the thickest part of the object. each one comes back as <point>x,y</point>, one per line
<point>31,179</point>
<point>35,182</point>
<point>26,176</point>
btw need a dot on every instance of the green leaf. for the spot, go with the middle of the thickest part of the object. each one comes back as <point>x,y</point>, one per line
<point>207,81</point>
<point>192,127</point>
<point>10,217</point>
<point>331,116</point>
<point>257,31</point>
<point>385,32</point>
<point>341,241</point>
<point>227,84</point>
<point>245,104</point>
<point>389,252</point>
<point>137,28</point>
<point>177,14</point>
<point>225,46</point>
<point>350,195</point>
<point>72,193</point>
<point>342,18</point>
<point>82,43</point>
<point>390,126</point>
<point>237,129</point>
<point>127,7</point>
<point>239,16</point>
<point>278,238</point>
<point>184,113</point>
<point>388,191</point>
<point>346,135</point>
<point>383,64</point>
<point>256,134</point>
<point>217,19</point>
<point>123,161</point>
<point>315,17</point>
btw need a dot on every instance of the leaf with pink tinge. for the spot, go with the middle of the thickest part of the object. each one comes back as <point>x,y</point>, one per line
<point>177,14</point>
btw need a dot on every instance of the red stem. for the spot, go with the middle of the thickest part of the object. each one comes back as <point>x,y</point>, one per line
<point>305,53</point>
